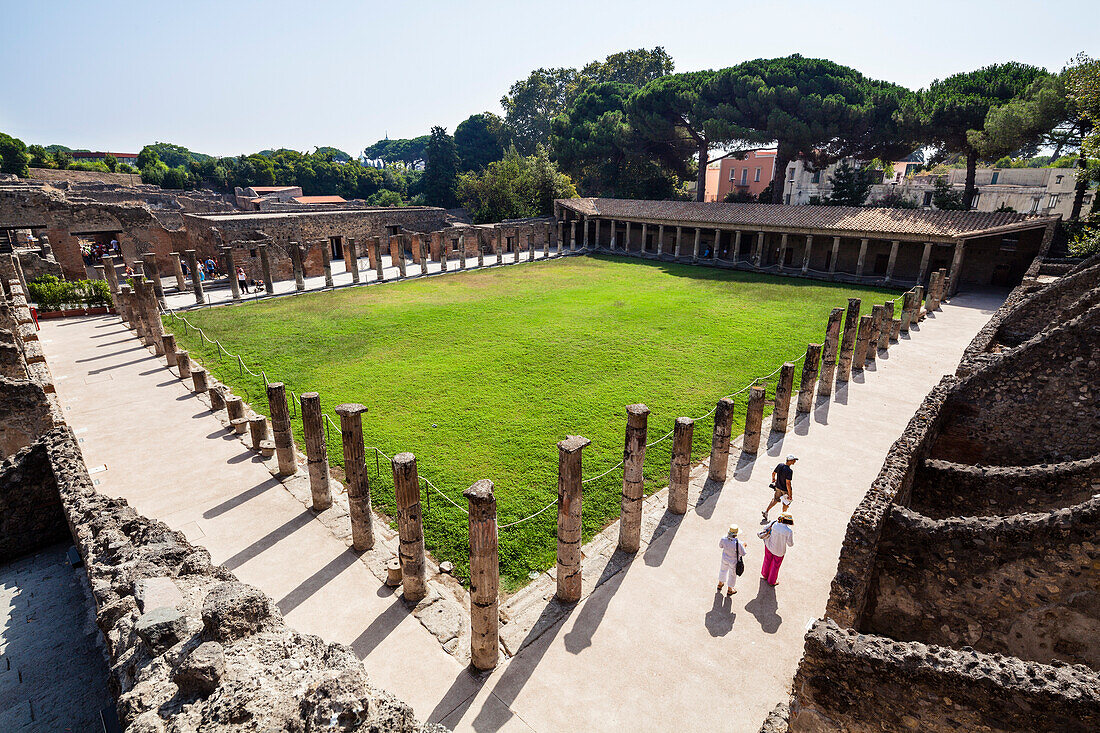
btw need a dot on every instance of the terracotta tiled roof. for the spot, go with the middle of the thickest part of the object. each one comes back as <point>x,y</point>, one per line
<point>844,220</point>
<point>319,200</point>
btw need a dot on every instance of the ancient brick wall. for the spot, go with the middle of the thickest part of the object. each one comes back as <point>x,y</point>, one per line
<point>1026,585</point>
<point>30,507</point>
<point>862,683</point>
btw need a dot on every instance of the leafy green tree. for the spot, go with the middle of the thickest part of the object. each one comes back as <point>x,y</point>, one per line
<point>177,177</point>
<point>851,185</point>
<point>385,197</point>
<point>675,113</point>
<point>478,141</point>
<point>147,157</point>
<point>531,103</point>
<point>63,159</point>
<point>950,108</point>
<point>334,155</point>
<point>408,151</point>
<point>596,144</point>
<point>40,158</point>
<point>441,169</point>
<point>111,162</point>
<point>946,197</point>
<point>637,67</point>
<point>515,187</point>
<point>814,109</point>
<point>13,156</point>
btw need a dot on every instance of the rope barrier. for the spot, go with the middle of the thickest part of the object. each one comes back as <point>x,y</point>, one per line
<point>532,516</point>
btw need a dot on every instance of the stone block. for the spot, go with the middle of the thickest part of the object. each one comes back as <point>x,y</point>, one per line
<point>161,628</point>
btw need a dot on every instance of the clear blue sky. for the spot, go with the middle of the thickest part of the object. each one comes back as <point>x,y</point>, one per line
<point>231,77</point>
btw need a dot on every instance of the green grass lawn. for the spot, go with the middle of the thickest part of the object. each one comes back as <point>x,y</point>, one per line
<point>481,373</point>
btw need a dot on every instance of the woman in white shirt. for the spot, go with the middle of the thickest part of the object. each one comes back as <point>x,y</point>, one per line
<point>777,536</point>
<point>732,551</point>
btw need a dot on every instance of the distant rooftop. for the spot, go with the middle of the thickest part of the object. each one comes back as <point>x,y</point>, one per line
<point>843,220</point>
<point>319,200</point>
<point>270,189</point>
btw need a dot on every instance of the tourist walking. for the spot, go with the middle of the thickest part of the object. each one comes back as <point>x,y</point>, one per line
<point>732,564</point>
<point>242,279</point>
<point>781,483</point>
<point>777,536</point>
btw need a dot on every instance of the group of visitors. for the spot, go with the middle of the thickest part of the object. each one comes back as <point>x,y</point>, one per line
<point>778,535</point>
<point>95,251</point>
<point>209,270</point>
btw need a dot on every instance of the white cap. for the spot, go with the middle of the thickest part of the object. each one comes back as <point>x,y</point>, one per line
<point>792,457</point>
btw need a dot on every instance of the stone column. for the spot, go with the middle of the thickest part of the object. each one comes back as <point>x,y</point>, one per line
<point>859,356</point>
<point>642,252</point>
<point>848,340</point>
<point>462,252</point>
<point>918,300</point>
<point>569,518</point>
<point>782,251</point>
<point>679,242</point>
<point>111,273</point>
<point>177,268</point>
<point>529,233</point>
<point>280,426</point>
<point>313,427</point>
<point>878,313</point>
<point>485,575</point>
<point>217,398</point>
<point>952,286</point>
<point>326,262</point>
<point>425,253</point>
<point>907,302</point>
<point>546,244</point>
<point>717,242</point>
<point>152,271</point>
<point>265,267</point>
<point>100,271</point>
<point>122,305</point>
<point>806,255</point>
<point>168,343</point>
<point>596,233</point>
<point>698,245</point>
<point>196,280</point>
<point>572,235</point>
<point>884,326</point>
<point>584,233</point>
<point>809,376</point>
<point>257,429</point>
<point>660,239</point>
<point>737,245</point>
<point>442,253</point>
<point>353,259</point>
<point>893,259</point>
<point>612,239</point>
<point>925,256</point>
<point>862,257</point>
<point>935,289</point>
<point>835,256</point>
<point>231,270</point>
<point>183,364</point>
<point>783,389</point>
<point>758,257</point>
<point>754,419</point>
<point>152,314</point>
<point>399,241</point>
<point>198,379</point>
<point>480,255</point>
<point>895,329</point>
<point>680,469</point>
<point>410,527</point>
<point>560,225</point>
<point>626,239</point>
<point>296,261</point>
<point>829,353</point>
<point>720,442</point>
<point>630,520</point>
<point>376,247</point>
<point>355,469</point>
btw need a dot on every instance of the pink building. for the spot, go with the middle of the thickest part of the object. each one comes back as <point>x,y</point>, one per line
<point>750,175</point>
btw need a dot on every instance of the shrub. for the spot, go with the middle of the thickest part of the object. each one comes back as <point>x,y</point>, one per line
<point>54,294</point>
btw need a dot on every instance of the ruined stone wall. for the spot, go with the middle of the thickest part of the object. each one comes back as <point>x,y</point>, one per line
<point>25,414</point>
<point>1026,585</point>
<point>30,506</point>
<point>1037,404</point>
<point>862,683</point>
<point>945,489</point>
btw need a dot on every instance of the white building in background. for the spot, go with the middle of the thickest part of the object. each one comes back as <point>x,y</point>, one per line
<point>1026,190</point>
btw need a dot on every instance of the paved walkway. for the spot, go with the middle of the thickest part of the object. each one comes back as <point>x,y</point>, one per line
<point>653,648</point>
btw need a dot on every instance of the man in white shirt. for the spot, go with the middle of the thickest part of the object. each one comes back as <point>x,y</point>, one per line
<point>732,551</point>
<point>778,536</point>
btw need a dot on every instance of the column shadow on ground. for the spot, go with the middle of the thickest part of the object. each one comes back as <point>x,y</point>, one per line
<point>317,581</point>
<point>661,541</point>
<point>269,540</point>
<point>594,608</point>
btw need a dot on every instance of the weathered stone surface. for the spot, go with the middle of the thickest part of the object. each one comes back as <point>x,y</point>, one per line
<point>153,593</point>
<point>234,610</point>
<point>161,628</point>
<point>201,670</point>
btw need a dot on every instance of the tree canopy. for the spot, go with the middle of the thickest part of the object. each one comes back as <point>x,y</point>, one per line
<point>851,185</point>
<point>515,187</point>
<point>402,150</point>
<point>13,155</point>
<point>440,169</point>
<point>945,113</point>
<point>479,141</point>
<point>814,109</point>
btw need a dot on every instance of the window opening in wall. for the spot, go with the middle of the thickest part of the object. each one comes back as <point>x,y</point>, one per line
<point>1053,201</point>
<point>756,179</point>
<point>251,253</point>
<point>974,201</point>
<point>337,245</point>
<point>393,230</point>
<point>744,176</point>
<point>927,198</point>
<point>996,175</point>
<point>454,245</point>
<point>1035,205</point>
<point>1009,242</point>
<point>1058,179</point>
<point>733,174</point>
<point>816,177</point>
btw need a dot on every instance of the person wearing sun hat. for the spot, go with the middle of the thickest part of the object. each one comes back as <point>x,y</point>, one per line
<point>732,551</point>
<point>777,536</point>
